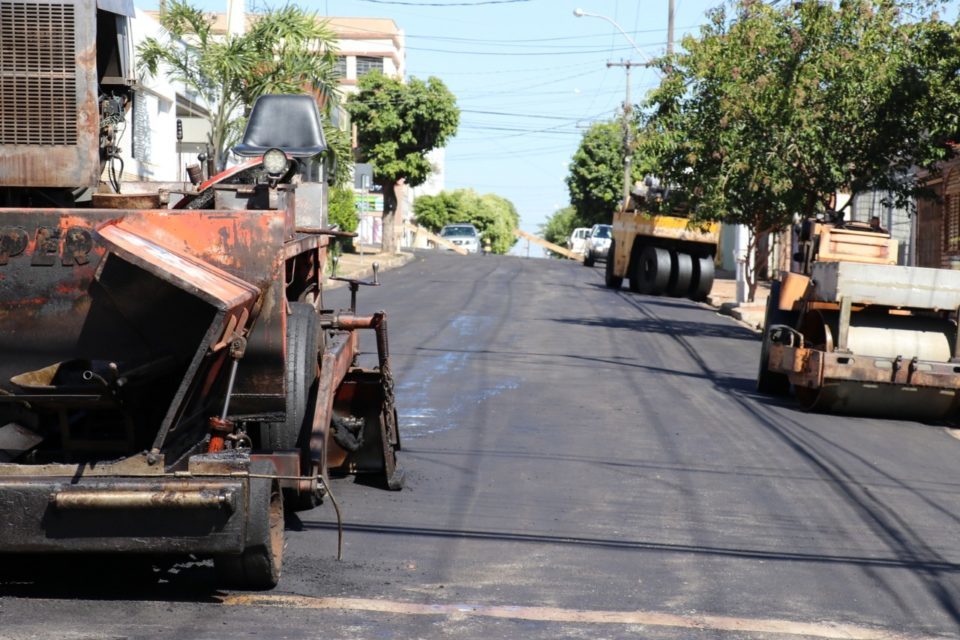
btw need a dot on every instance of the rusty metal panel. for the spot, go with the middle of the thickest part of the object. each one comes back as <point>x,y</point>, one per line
<point>49,118</point>
<point>217,287</point>
<point>48,258</point>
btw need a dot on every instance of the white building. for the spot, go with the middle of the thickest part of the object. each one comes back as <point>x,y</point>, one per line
<point>149,145</point>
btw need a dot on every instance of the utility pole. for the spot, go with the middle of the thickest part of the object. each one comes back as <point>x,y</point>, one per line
<point>670,12</point>
<point>627,111</point>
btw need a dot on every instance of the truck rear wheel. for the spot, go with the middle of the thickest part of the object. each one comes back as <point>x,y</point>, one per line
<point>681,274</point>
<point>261,563</point>
<point>634,268</point>
<point>702,278</point>
<point>609,278</point>
<point>655,270</point>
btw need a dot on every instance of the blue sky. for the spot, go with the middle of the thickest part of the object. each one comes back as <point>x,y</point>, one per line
<point>529,76</point>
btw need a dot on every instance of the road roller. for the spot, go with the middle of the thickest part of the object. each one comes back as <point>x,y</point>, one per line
<point>853,332</point>
<point>660,254</point>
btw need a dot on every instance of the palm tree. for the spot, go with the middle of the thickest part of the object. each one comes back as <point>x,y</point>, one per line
<point>284,51</point>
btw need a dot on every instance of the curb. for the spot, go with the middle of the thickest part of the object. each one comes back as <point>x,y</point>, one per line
<point>750,317</point>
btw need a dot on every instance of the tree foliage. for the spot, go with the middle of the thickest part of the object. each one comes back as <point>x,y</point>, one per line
<point>397,125</point>
<point>494,216</point>
<point>776,107</point>
<point>595,181</point>
<point>342,208</point>
<point>287,50</point>
<point>560,225</point>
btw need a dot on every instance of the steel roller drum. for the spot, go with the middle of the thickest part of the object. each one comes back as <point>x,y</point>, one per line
<point>884,336</point>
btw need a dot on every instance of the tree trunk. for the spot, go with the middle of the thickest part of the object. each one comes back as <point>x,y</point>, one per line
<point>389,235</point>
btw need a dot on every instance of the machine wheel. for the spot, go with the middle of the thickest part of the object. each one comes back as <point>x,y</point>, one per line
<point>260,564</point>
<point>768,382</point>
<point>634,268</point>
<point>655,270</point>
<point>702,278</point>
<point>588,260</point>
<point>681,274</point>
<point>612,281</point>
<point>302,340</point>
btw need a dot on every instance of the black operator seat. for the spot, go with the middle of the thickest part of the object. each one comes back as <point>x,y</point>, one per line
<point>290,123</point>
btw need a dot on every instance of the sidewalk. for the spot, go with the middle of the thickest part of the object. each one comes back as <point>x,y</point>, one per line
<point>724,297</point>
<point>353,265</point>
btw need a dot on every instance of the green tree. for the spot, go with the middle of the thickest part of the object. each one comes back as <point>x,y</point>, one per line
<point>342,208</point>
<point>397,125</point>
<point>494,216</point>
<point>432,212</point>
<point>774,108</point>
<point>559,226</point>
<point>595,181</point>
<point>284,51</point>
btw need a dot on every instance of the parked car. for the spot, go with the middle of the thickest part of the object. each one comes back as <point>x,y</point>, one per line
<point>462,235</point>
<point>597,244</point>
<point>577,239</point>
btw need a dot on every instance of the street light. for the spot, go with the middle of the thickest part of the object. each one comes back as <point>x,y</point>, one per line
<point>627,104</point>
<point>581,13</point>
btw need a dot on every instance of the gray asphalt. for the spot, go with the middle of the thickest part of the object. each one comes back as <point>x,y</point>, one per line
<point>572,452</point>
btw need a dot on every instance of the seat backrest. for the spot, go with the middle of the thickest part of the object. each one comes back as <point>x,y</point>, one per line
<point>290,123</point>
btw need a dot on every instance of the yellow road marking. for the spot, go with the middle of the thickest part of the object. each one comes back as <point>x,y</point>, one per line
<point>581,616</point>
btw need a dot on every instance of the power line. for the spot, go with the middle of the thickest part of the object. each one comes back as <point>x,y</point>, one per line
<point>522,53</point>
<point>444,4</point>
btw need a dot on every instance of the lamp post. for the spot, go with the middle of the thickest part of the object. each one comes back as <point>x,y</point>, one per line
<point>581,13</point>
<point>627,104</point>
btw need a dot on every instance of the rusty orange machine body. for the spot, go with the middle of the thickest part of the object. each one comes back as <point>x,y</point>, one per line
<point>170,379</point>
<point>851,331</point>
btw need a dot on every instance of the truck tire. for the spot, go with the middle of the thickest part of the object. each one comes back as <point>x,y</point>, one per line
<point>702,278</point>
<point>634,268</point>
<point>301,373</point>
<point>612,281</point>
<point>260,564</point>
<point>770,382</point>
<point>655,270</point>
<point>681,274</point>
<point>588,259</point>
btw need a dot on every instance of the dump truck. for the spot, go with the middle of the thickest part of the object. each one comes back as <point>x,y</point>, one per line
<point>660,254</point>
<point>171,378</point>
<point>854,332</point>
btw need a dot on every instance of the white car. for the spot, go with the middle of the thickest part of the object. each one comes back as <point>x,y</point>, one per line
<point>577,239</point>
<point>597,245</point>
<point>462,235</point>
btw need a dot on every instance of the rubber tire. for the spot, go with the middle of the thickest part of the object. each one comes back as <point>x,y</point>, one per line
<point>655,270</point>
<point>768,382</point>
<point>703,271</point>
<point>633,267</point>
<point>301,372</point>
<point>612,281</point>
<point>261,563</point>
<point>588,259</point>
<point>681,274</point>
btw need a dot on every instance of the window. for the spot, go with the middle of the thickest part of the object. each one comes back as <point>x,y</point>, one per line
<point>951,217</point>
<point>187,108</point>
<point>340,67</point>
<point>366,64</point>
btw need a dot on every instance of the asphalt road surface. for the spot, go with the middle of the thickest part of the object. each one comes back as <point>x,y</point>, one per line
<point>579,463</point>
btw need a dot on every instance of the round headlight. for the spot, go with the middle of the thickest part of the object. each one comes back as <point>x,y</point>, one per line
<point>275,163</point>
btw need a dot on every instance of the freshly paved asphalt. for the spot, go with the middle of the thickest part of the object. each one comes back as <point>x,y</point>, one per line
<point>580,463</point>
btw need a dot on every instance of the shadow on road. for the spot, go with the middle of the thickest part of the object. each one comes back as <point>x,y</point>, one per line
<point>669,327</point>
<point>830,462</point>
<point>637,545</point>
